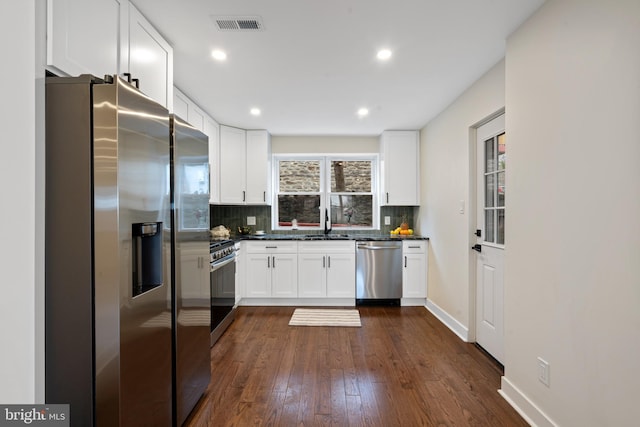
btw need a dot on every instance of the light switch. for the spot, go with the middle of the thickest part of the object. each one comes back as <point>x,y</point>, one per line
<point>251,220</point>
<point>387,220</point>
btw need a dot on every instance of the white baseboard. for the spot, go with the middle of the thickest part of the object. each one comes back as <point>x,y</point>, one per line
<point>309,302</point>
<point>525,407</point>
<point>413,302</point>
<point>450,322</point>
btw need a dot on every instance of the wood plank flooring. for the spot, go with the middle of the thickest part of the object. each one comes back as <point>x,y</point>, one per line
<point>401,368</point>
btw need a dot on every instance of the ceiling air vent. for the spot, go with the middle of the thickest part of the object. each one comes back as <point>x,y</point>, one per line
<point>238,23</point>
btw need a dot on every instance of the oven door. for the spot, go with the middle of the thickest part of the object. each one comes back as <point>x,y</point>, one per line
<point>223,295</point>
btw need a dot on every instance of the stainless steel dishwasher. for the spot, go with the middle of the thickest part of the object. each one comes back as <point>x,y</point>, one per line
<point>378,272</point>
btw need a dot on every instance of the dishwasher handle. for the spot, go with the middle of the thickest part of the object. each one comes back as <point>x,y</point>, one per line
<point>377,248</point>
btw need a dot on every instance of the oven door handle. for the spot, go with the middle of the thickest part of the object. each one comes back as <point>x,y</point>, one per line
<point>217,266</point>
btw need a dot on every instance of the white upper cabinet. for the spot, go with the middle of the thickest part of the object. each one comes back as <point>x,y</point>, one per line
<point>258,167</point>
<point>245,162</point>
<point>147,57</point>
<point>233,153</point>
<point>181,104</point>
<point>400,168</point>
<point>83,36</point>
<point>212,130</point>
<point>102,37</point>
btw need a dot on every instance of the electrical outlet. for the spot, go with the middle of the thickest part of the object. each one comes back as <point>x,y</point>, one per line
<point>251,220</point>
<point>387,220</point>
<point>543,371</point>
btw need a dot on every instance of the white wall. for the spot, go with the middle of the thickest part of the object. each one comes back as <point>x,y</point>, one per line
<point>573,213</point>
<point>324,144</point>
<point>445,159</point>
<point>21,267</point>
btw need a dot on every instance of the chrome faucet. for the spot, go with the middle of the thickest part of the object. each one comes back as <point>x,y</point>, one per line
<point>327,229</point>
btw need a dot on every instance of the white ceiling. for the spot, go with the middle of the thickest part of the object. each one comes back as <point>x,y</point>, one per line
<point>314,64</point>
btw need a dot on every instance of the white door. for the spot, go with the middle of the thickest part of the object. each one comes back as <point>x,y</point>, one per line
<point>490,247</point>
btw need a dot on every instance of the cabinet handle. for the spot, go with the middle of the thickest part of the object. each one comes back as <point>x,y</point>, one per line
<point>328,261</point>
<point>387,197</point>
<point>271,247</point>
<point>268,262</point>
<point>413,247</point>
<point>323,262</point>
<point>264,196</point>
<point>274,262</point>
<point>244,196</point>
<point>405,262</point>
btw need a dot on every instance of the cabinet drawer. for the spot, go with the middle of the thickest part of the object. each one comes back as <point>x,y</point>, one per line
<point>341,246</point>
<point>414,247</point>
<point>272,247</point>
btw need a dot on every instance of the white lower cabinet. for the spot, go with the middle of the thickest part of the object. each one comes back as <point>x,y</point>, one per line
<point>327,269</point>
<point>414,272</point>
<point>271,269</point>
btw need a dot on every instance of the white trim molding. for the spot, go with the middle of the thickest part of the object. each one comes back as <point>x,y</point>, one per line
<point>450,322</point>
<point>525,407</point>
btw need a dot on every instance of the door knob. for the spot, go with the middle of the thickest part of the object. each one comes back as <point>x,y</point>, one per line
<point>477,247</point>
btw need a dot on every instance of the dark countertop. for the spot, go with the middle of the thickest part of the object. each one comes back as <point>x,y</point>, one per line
<point>330,236</point>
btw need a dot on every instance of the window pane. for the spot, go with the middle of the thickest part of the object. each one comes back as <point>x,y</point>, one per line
<point>489,155</point>
<point>351,211</point>
<point>351,176</point>
<point>305,208</point>
<point>500,237</point>
<point>489,190</point>
<point>501,188</point>
<point>297,176</point>
<point>502,152</point>
<point>488,225</point>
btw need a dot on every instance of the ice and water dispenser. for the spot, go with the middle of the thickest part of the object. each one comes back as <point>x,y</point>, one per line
<point>147,256</point>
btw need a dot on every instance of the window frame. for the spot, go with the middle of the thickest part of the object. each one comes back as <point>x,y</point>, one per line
<point>325,187</point>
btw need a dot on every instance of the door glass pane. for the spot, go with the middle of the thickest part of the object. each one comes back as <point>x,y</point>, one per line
<point>489,155</point>
<point>488,225</point>
<point>489,190</point>
<point>305,208</point>
<point>500,230</point>
<point>299,176</point>
<point>351,176</point>
<point>501,188</point>
<point>502,152</point>
<point>351,211</point>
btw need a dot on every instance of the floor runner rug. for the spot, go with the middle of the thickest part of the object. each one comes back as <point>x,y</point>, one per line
<point>325,317</point>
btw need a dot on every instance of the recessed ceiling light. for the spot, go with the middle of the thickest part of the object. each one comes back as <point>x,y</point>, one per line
<point>384,54</point>
<point>218,54</point>
<point>363,112</point>
<point>255,111</point>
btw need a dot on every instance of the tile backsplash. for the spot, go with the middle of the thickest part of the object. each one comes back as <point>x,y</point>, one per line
<point>232,217</point>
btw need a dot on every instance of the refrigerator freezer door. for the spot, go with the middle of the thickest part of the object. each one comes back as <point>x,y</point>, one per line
<point>192,295</point>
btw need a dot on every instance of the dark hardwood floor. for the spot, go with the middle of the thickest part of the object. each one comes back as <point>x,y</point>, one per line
<point>401,368</point>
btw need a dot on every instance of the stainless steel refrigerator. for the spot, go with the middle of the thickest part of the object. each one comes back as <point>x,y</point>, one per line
<point>108,305</point>
<point>190,252</point>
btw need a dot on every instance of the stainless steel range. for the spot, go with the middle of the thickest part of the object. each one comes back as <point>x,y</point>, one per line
<point>223,286</point>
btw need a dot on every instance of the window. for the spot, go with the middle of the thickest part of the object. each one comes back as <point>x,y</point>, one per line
<point>494,188</point>
<point>307,187</point>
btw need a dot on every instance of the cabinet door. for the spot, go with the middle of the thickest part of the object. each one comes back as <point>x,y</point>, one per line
<point>341,275</point>
<point>212,130</point>
<point>83,36</point>
<point>284,276</point>
<point>258,167</point>
<point>257,275</point>
<point>232,165</point>
<point>180,105</point>
<point>196,117</point>
<point>414,276</point>
<point>150,60</point>
<point>400,168</point>
<point>312,275</point>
